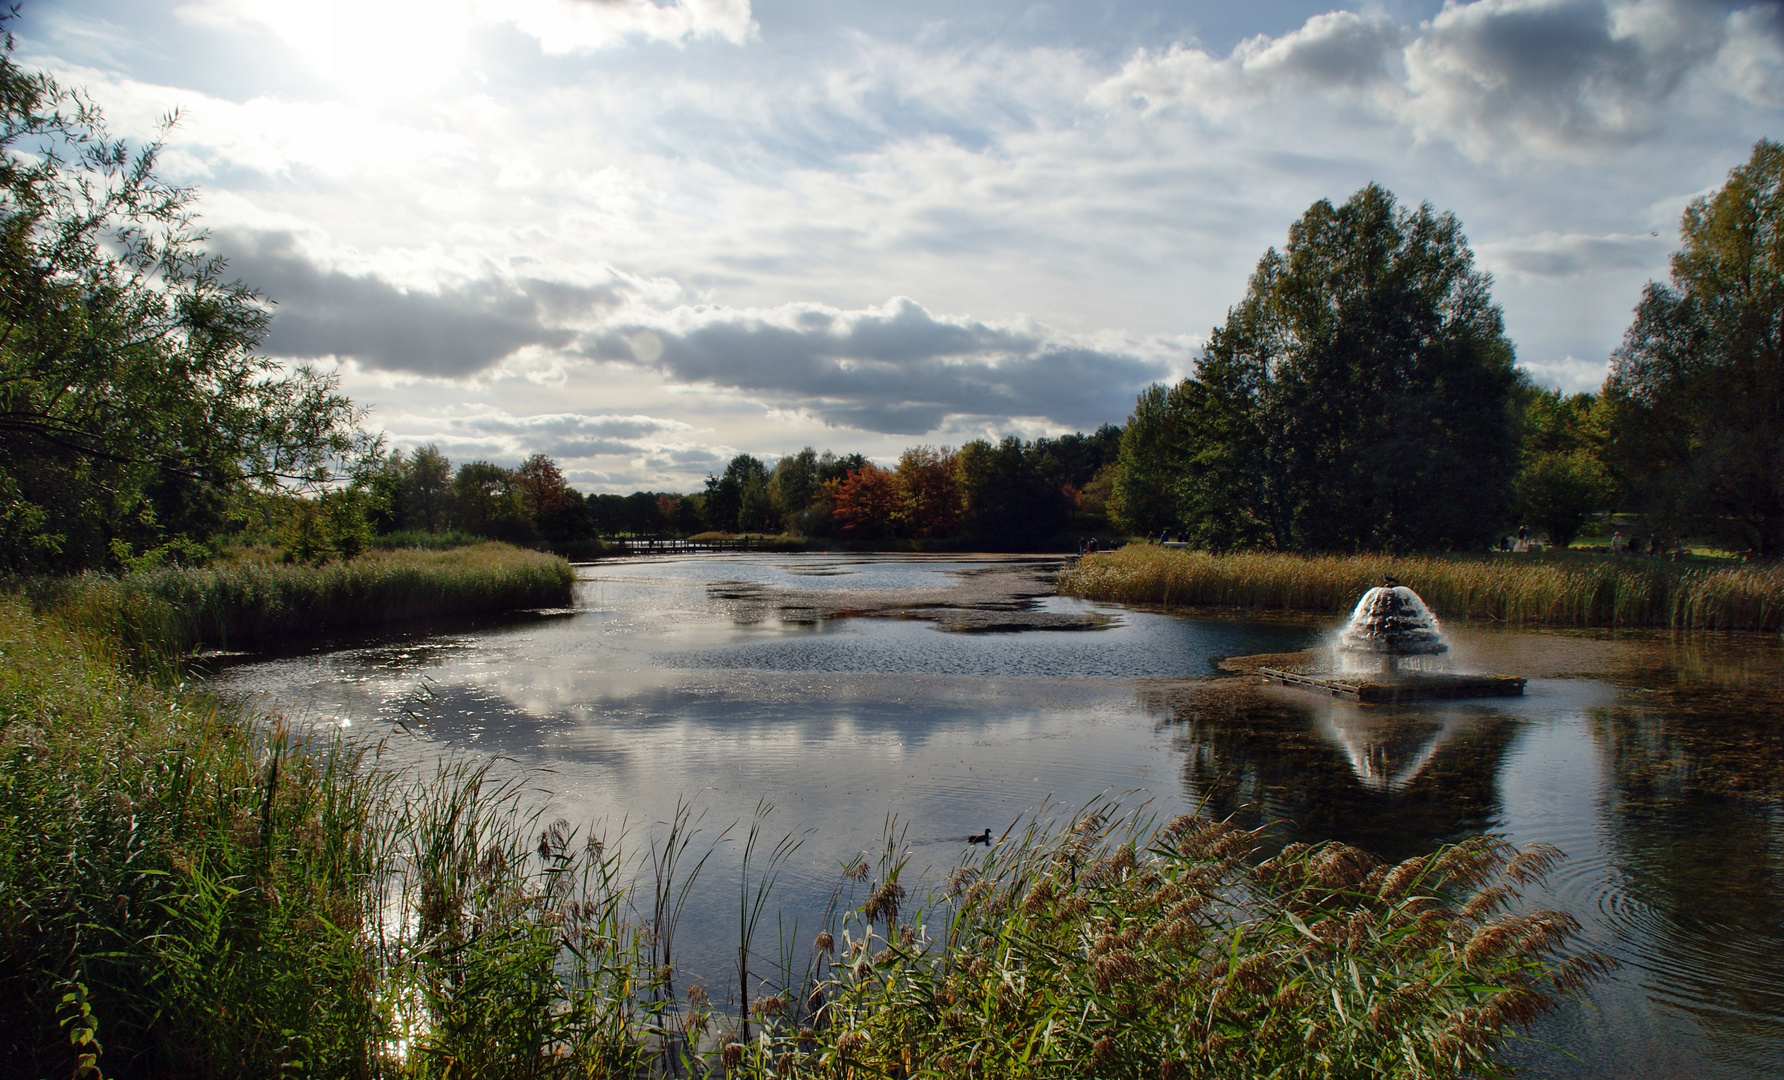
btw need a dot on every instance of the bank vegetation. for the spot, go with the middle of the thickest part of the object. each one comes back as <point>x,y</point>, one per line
<point>260,599</point>
<point>1549,590</point>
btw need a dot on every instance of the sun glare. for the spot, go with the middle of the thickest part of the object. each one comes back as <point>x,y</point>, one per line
<point>371,48</point>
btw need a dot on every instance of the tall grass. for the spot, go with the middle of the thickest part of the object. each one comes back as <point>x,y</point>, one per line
<point>257,601</point>
<point>1107,949</point>
<point>1560,590</point>
<point>188,889</point>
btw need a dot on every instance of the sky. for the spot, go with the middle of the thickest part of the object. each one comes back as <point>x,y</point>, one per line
<point>642,237</point>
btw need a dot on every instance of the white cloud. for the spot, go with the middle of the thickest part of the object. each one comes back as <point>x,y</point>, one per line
<point>563,26</point>
<point>1492,76</point>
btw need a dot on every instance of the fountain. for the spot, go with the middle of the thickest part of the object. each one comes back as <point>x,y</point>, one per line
<point>1393,650</point>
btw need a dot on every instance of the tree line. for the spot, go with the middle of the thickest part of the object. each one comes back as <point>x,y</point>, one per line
<point>1363,396</point>
<point>1011,494</point>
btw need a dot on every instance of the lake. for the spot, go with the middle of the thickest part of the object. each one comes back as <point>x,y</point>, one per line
<point>936,697</point>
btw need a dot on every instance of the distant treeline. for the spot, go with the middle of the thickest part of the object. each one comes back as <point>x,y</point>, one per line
<point>1010,494</point>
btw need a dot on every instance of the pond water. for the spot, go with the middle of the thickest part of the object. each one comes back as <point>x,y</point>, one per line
<point>952,695</point>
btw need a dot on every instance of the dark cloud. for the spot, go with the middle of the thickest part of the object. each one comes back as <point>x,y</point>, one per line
<point>898,369</point>
<point>1573,69</point>
<point>1492,73</point>
<point>1340,48</point>
<point>1568,255</point>
<point>571,435</point>
<point>454,332</point>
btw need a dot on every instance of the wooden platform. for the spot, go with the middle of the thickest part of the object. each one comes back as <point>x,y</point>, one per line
<point>1411,688</point>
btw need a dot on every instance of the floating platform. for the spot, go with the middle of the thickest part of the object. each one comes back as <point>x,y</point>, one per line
<point>1412,687</point>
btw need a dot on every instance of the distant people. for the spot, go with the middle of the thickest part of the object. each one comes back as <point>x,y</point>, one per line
<point>1505,542</point>
<point>1090,548</point>
<point>1523,537</point>
<point>1619,543</point>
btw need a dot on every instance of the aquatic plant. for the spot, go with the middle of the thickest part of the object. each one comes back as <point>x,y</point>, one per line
<point>1560,590</point>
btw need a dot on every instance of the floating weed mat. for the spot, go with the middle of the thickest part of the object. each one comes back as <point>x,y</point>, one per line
<point>1562,590</point>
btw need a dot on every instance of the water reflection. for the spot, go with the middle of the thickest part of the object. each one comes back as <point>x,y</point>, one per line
<point>1392,780</point>
<point>1699,844</point>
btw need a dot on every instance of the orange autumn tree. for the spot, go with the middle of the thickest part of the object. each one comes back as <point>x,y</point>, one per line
<point>866,503</point>
<point>929,493</point>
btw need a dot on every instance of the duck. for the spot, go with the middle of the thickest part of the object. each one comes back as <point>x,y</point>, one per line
<point>980,838</point>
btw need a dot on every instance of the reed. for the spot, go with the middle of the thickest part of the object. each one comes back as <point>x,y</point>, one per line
<point>1107,949</point>
<point>261,600</point>
<point>1558,590</point>
<point>179,895</point>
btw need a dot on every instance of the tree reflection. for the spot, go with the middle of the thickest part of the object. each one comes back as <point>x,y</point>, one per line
<point>1697,835</point>
<point>1396,781</point>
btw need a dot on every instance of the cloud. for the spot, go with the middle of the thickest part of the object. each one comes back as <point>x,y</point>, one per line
<point>1491,76</point>
<point>576,435</point>
<point>895,369</point>
<point>1337,49</point>
<point>563,26</point>
<point>1570,374</point>
<point>453,331</point>
<point>1552,254</point>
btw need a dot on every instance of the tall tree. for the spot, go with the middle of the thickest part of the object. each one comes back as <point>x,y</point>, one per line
<point>1358,398</point>
<point>928,484</point>
<point>866,503</point>
<point>1696,391</point>
<point>487,501</point>
<point>1562,480</point>
<point>1151,458</point>
<point>424,499</point>
<point>738,499</point>
<point>133,406</point>
<point>794,484</point>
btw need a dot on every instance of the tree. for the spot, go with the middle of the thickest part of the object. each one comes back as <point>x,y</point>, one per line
<point>487,501</point>
<point>1358,397</point>
<point>424,499</point>
<point>794,484</point>
<point>1149,462</point>
<point>133,406</point>
<point>866,502</point>
<point>738,500</point>
<point>1696,391</point>
<point>1562,480</point>
<point>928,492</point>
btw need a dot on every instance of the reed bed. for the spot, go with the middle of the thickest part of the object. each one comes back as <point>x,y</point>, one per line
<point>1104,948</point>
<point>257,601</point>
<point>189,889</point>
<point>1559,590</point>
